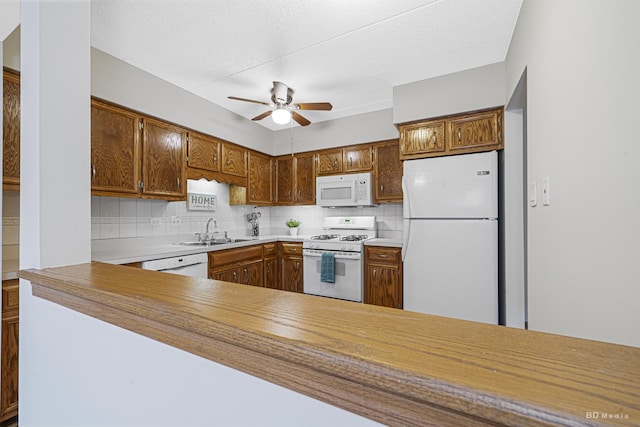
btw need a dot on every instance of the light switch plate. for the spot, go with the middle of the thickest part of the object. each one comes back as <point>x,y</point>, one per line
<point>546,189</point>
<point>533,194</point>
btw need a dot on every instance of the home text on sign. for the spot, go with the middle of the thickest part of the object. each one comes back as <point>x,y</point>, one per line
<point>201,202</point>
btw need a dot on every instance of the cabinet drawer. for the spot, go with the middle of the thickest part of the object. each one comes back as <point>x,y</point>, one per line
<point>10,295</point>
<point>291,248</point>
<point>268,249</point>
<point>383,254</point>
<point>231,256</point>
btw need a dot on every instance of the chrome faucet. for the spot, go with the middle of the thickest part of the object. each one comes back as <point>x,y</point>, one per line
<point>206,233</point>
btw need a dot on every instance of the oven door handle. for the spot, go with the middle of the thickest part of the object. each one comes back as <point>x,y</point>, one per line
<point>356,257</point>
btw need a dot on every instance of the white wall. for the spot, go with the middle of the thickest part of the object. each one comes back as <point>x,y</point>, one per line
<point>468,90</point>
<point>582,60</point>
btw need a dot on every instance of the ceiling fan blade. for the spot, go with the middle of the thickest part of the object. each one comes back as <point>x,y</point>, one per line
<point>248,100</point>
<point>325,106</point>
<point>298,118</point>
<point>262,116</point>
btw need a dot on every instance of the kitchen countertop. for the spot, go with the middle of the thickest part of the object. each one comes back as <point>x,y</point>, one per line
<point>381,241</point>
<point>393,366</point>
<point>124,251</point>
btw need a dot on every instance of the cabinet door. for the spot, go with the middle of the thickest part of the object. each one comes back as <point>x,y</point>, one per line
<point>419,139</point>
<point>9,366</point>
<point>292,273</point>
<point>115,150</point>
<point>270,273</point>
<point>163,160</point>
<point>329,162</point>
<point>284,180</point>
<point>357,159</point>
<point>382,286</point>
<point>234,160</point>
<point>388,173</point>
<point>11,131</point>
<point>305,176</point>
<point>251,273</point>
<point>259,185</point>
<point>475,132</point>
<point>226,275</point>
<point>203,152</point>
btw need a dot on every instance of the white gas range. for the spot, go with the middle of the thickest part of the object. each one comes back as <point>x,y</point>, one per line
<point>333,262</point>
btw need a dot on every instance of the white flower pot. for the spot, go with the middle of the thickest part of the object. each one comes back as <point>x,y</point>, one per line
<point>293,231</point>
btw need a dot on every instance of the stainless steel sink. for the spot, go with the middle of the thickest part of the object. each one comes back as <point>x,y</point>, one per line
<point>213,242</point>
<point>202,243</point>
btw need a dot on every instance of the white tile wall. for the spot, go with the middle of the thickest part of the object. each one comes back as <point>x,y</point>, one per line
<point>119,217</point>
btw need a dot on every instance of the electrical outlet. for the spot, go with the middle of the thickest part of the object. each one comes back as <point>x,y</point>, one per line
<point>156,221</point>
<point>176,221</point>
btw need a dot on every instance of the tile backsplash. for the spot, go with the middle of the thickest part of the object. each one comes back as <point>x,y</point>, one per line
<point>113,218</point>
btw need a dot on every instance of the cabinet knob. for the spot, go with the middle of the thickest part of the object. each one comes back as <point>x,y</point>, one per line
<point>93,173</point>
<point>350,161</point>
<point>381,188</point>
<point>235,276</point>
<point>215,160</point>
<point>459,135</point>
<point>383,255</point>
<point>178,181</point>
<point>435,140</point>
<point>374,273</point>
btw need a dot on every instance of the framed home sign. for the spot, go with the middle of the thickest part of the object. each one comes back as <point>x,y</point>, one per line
<point>201,202</point>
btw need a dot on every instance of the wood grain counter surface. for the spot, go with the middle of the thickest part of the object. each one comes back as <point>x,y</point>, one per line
<point>396,367</point>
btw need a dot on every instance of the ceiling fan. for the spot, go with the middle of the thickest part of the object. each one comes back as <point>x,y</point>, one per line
<point>282,110</point>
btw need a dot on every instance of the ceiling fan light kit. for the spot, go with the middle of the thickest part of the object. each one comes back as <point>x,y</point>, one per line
<point>281,116</point>
<point>282,110</point>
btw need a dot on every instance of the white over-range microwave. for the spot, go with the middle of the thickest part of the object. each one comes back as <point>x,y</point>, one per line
<point>344,190</point>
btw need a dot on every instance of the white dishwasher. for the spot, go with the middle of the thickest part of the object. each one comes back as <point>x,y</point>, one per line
<point>188,265</point>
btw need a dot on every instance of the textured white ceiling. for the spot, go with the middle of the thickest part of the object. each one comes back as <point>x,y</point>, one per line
<point>347,52</point>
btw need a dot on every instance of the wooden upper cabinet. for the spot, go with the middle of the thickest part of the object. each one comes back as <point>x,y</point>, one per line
<point>259,184</point>
<point>203,152</point>
<point>305,179</point>
<point>329,162</point>
<point>462,133</point>
<point>422,138</point>
<point>234,160</point>
<point>115,146</point>
<point>284,180</point>
<point>357,159</point>
<point>164,148</point>
<point>387,173</point>
<point>475,132</point>
<point>11,130</point>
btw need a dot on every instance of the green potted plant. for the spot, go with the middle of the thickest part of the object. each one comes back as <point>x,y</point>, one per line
<point>293,225</point>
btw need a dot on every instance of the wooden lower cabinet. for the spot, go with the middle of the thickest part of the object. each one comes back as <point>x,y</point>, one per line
<point>239,265</point>
<point>291,268</point>
<point>247,273</point>
<point>383,276</point>
<point>270,266</point>
<point>9,350</point>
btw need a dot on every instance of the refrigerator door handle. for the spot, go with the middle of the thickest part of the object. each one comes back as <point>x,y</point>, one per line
<point>406,228</point>
<point>405,200</point>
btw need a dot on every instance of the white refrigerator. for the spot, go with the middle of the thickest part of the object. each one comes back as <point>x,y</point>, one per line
<point>450,250</point>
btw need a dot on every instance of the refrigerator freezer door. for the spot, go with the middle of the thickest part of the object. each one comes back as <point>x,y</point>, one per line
<point>451,269</point>
<point>464,186</point>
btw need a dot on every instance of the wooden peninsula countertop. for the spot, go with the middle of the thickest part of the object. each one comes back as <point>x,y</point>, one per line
<point>392,366</point>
